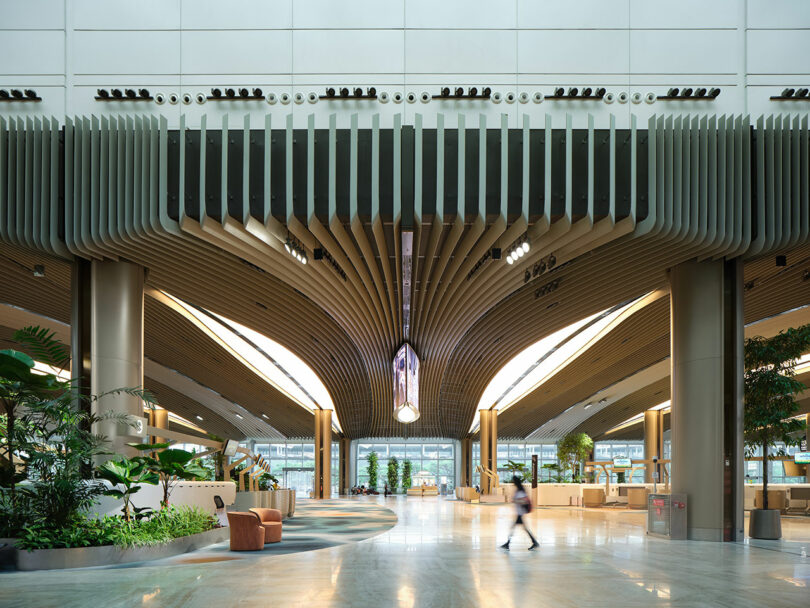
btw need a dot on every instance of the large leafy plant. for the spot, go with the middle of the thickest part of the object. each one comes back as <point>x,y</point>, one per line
<point>516,469</point>
<point>372,470</point>
<point>770,389</point>
<point>46,435</point>
<point>170,465</point>
<point>571,450</point>
<point>406,474</point>
<point>393,473</point>
<point>130,474</point>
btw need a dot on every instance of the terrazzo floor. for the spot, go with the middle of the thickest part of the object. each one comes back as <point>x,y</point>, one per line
<point>444,553</point>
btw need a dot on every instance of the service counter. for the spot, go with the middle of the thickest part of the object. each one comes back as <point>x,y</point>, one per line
<point>797,495</point>
<point>191,493</point>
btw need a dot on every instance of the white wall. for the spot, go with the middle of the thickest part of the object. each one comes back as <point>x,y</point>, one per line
<point>66,50</point>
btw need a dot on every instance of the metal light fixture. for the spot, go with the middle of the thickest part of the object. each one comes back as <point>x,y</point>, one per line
<point>406,385</point>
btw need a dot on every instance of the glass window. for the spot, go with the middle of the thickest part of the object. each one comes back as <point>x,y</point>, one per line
<point>430,450</point>
<point>364,449</point>
<point>414,451</point>
<point>295,450</point>
<point>445,450</point>
<point>446,467</point>
<point>503,452</point>
<point>382,450</point>
<point>517,452</point>
<point>397,450</point>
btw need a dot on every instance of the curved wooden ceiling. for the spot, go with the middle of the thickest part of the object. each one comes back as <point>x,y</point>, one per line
<point>208,216</point>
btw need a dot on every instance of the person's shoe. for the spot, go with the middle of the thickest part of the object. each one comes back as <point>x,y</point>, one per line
<point>534,546</point>
<point>505,546</point>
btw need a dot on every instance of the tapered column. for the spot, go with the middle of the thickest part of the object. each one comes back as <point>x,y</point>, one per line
<point>323,454</point>
<point>117,346</point>
<point>345,449</point>
<point>707,374</point>
<point>80,330</point>
<point>489,448</point>
<point>466,462</point>
<point>653,443</point>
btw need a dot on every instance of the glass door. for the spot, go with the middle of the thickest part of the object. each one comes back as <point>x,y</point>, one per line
<point>300,480</point>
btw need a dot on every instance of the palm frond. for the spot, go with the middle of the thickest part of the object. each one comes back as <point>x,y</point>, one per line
<point>44,346</point>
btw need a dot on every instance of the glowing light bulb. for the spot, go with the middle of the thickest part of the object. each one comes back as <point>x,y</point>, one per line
<point>509,259</point>
<point>525,246</point>
<point>520,252</point>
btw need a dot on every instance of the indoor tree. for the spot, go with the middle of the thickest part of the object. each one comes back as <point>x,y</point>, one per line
<point>770,389</point>
<point>393,473</point>
<point>406,474</point>
<point>372,470</point>
<point>573,449</point>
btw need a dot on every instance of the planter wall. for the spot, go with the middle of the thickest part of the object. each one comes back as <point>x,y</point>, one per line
<point>283,500</point>
<point>85,557</point>
<point>7,551</point>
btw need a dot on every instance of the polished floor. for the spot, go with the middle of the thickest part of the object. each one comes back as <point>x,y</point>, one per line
<point>444,553</point>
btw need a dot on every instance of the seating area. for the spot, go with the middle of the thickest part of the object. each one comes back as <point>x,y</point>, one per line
<point>252,530</point>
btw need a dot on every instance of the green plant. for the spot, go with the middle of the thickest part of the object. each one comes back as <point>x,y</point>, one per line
<point>620,475</point>
<point>45,435</point>
<point>130,474</point>
<point>170,465</point>
<point>83,531</point>
<point>406,474</point>
<point>516,469</point>
<point>554,474</point>
<point>571,450</point>
<point>393,473</point>
<point>770,389</point>
<point>372,470</point>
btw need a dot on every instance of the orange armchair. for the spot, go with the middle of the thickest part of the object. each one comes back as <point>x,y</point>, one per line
<point>247,532</point>
<point>271,522</point>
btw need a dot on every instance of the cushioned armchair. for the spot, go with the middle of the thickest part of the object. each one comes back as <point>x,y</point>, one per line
<point>247,532</point>
<point>271,522</point>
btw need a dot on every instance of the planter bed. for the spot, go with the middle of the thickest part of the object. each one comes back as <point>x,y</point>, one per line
<point>109,555</point>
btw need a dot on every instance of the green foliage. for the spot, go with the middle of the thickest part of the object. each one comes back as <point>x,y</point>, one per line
<point>406,475</point>
<point>571,450</point>
<point>516,469</point>
<point>46,436</point>
<point>770,389</point>
<point>130,474</point>
<point>555,475</point>
<point>170,465</point>
<point>393,473</point>
<point>162,527</point>
<point>372,470</point>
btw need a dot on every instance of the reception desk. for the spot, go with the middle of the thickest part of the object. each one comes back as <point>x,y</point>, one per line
<point>189,493</point>
<point>467,494</point>
<point>424,491</point>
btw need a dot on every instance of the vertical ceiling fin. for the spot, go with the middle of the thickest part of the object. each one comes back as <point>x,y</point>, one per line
<point>267,195</point>
<point>181,178</point>
<point>288,150</point>
<point>569,167</point>
<point>203,148</point>
<point>246,170</point>
<point>482,166</point>
<point>462,140</point>
<point>526,172</point>
<point>547,139</point>
<point>223,173</point>
<point>440,167</point>
<point>591,170</point>
<point>504,167</point>
<point>353,167</point>
<point>332,167</point>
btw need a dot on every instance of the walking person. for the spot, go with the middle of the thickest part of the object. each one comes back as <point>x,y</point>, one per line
<point>523,504</point>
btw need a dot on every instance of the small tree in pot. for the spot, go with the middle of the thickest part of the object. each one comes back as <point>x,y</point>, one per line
<point>770,404</point>
<point>571,450</point>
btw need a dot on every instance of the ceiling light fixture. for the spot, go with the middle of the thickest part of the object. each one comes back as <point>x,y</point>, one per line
<point>200,418</point>
<point>240,416</point>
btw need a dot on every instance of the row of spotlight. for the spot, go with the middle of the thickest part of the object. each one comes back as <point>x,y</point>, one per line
<point>518,250</point>
<point>19,95</point>
<point>296,250</point>
<point>245,94</point>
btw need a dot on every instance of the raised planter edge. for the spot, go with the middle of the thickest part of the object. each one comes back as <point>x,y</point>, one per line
<point>110,555</point>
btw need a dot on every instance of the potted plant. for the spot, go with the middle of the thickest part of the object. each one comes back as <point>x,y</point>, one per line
<point>571,450</point>
<point>406,475</point>
<point>393,474</point>
<point>170,464</point>
<point>770,388</point>
<point>516,469</point>
<point>372,471</point>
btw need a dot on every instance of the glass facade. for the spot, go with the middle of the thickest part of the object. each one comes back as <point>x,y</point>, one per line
<point>608,450</point>
<point>432,462</point>
<point>293,464</point>
<point>776,470</point>
<point>520,453</point>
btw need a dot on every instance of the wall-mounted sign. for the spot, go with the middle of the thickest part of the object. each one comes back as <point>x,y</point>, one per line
<point>622,463</point>
<point>801,458</point>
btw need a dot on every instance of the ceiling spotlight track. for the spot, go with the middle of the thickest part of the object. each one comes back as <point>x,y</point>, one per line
<point>518,249</point>
<point>791,94</point>
<point>125,95</point>
<point>236,94</point>
<point>18,95</point>
<point>344,93</point>
<point>322,254</point>
<point>587,93</point>
<point>458,93</point>
<point>294,247</point>
<point>690,94</point>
